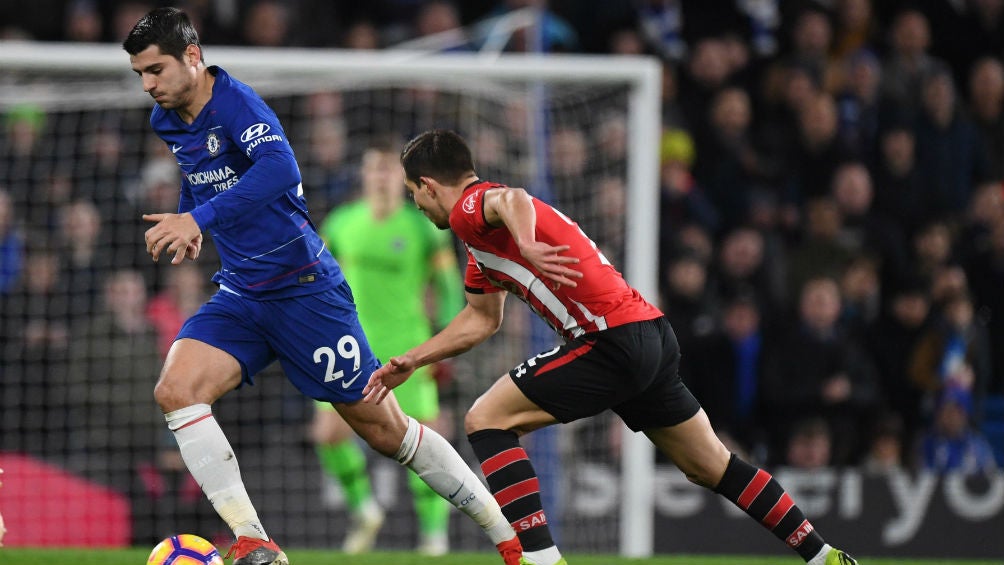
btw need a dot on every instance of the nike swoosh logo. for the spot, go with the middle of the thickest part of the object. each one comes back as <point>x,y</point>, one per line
<point>348,383</point>
<point>456,491</point>
<point>175,148</point>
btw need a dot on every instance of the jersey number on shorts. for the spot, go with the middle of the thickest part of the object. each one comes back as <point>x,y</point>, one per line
<point>348,348</point>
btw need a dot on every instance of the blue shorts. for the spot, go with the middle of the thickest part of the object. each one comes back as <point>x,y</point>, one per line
<point>317,338</point>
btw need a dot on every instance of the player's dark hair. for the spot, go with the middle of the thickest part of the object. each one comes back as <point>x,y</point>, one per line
<point>167,28</point>
<point>438,153</point>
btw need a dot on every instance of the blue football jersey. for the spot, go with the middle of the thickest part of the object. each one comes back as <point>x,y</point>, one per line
<point>241,183</point>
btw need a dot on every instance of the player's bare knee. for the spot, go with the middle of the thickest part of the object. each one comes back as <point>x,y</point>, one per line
<point>701,477</point>
<point>172,393</point>
<point>475,421</point>
<point>169,396</point>
<point>382,438</point>
<point>706,472</point>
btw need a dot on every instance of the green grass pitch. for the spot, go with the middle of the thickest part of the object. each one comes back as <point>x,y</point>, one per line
<point>11,556</point>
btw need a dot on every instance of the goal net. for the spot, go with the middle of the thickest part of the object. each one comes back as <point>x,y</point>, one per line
<point>87,317</point>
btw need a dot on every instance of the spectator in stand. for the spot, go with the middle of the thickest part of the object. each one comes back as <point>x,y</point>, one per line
<point>861,289</point>
<point>568,158</point>
<point>627,41</point>
<point>786,91</point>
<point>898,195</point>
<point>11,245</point>
<point>496,151</point>
<point>821,252</point>
<point>124,15</point>
<point>816,369</point>
<point>183,293</point>
<point>267,23</point>
<point>820,152</point>
<point>859,105</point>
<point>609,227</point>
<point>441,19</point>
<point>742,265</point>
<point>327,169</point>
<point>952,444</point>
<point>856,28</point>
<point>948,280</point>
<point>34,334</point>
<point>953,352</point>
<point>705,74</point>
<point>986,102</point>
<point>984,264</point>
<point>891,340</point>
<point>728,162</point>
<point>103,171</point>
<point>24,154</point>
<point>932,247</point>
<point>685,293</point>
<point>112,356</point>
<point>362,35</point>
<point>692,238</point>
<point>862,229</point>
<point>907,61</point>
<point>810,446</point>
<point>681,199</point>
<point>610,138</point>
<point>662,23</point>
<point>84,257</point>
<point>724,371</point>
<point>950,158</point>
<point>83,22</point>
<point>673,115</point>
<point>966,31</point>
<point>885,447</point>
<point>811,41</point>
<point>986,211</point>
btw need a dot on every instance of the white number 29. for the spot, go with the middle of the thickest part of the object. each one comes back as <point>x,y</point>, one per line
<point>348,348</point>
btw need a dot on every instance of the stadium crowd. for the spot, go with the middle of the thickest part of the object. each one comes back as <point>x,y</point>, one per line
<point>832,217</point>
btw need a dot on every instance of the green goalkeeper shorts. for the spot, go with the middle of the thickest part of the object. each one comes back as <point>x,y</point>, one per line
<point>418,396</point>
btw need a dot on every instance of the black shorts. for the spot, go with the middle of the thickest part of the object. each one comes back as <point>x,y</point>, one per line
<point>631,369</point>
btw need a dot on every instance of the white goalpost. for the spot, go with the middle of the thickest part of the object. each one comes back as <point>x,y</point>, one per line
<point>528,117</point>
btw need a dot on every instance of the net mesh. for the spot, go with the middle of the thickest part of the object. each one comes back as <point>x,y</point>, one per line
<point>87,317</point>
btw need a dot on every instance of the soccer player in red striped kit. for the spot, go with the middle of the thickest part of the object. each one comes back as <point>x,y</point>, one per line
<point>619,352</point>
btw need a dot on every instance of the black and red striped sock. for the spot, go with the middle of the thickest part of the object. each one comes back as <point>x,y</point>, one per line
<point>514,484</point>
<point>762,497</point>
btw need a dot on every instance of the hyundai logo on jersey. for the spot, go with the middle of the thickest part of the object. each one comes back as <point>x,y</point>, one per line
<point>254,131</point>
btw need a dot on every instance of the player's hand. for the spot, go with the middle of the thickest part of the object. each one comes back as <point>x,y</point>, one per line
<point>395,372</point>
<point>177,235</point>
<point>194,248</point>
<point>549,261</point>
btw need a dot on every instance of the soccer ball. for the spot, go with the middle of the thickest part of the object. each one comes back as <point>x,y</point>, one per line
<point>184,549</point>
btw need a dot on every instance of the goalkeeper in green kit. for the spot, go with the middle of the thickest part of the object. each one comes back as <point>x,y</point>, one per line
<point>391,256</point>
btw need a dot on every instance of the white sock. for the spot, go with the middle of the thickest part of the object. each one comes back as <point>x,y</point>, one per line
<point>543,556</point>
<point>820,558</point>
<point>212,462</point>
<point>441,467</point>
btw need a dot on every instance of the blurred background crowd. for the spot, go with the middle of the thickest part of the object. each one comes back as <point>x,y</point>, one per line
<point>831,248</point>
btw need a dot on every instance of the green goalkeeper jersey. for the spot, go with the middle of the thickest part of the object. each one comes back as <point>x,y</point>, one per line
<point>389,264</point>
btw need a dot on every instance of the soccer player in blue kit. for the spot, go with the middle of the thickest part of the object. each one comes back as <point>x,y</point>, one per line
<point>281,293</point>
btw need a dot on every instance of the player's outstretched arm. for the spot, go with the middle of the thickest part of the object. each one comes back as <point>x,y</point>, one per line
<point>481,318</point>
<point>514,208</point>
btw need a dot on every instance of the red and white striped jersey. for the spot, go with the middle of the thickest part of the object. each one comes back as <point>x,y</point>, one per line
<point>602,299</point>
